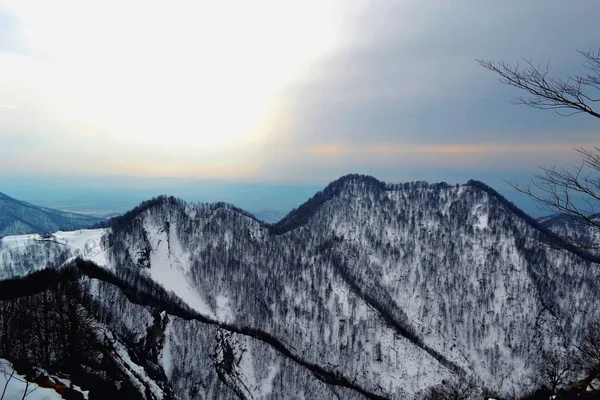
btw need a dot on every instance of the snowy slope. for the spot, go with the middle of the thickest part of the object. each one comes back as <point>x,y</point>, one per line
<point>15,386</point>
<point>470,278</point>
<point>241,286</point>
<point>23,254</point>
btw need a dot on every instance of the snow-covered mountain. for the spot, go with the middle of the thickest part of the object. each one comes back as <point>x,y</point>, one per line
<point>366,290</point>
<point>576,231</point>
<point>17,217</point>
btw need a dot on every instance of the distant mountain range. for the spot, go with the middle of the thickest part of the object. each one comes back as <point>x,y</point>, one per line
<point>18,217</point>
<point>367,290</point>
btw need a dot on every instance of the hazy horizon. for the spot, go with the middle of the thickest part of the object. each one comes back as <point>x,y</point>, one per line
<point>271,200</point>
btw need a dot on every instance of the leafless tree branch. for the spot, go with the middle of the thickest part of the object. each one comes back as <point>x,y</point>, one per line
<point>548,93</point>
<point>576,191</point>
<point>7,376</point>
<point>589,348</point>
<point>573,192</point>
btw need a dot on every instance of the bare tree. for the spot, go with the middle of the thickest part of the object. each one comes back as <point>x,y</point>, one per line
<point>554,371</point>
<point>461,388</point>
<point>589,348</point>
<point>576,191</point>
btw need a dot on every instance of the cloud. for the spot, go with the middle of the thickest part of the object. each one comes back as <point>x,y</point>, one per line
<point>449,150</point>
<point>265,90</point>
<point>408,74</point>
<point>328,150</point>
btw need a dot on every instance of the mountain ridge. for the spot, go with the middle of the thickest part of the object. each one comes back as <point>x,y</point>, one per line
<point>460,272</point>
<point>20,217</point>
<point>300,215</point>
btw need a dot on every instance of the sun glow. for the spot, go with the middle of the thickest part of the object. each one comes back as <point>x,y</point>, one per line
<point>194,76</point>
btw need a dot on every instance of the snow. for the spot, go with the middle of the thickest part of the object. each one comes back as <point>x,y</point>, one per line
<point>224,312</point>
<point>482,217</point>
<point>166,358</point>
<point>169,261</point>
<point>17,385</point>
<point>169,265</point>
<point>267,384</point>
<point>137,374</point>
<point>248,374</point>
<point>85,243</point>
<point>19,240</point>
<point>44,251</point>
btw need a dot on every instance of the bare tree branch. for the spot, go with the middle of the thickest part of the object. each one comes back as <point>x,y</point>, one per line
<point>573,192</point>
<point>547,93</point>
<point>27,391</point>
<point>8,377</point>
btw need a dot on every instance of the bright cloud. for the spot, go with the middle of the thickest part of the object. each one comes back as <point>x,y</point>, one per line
<point>191,76</point>
<point>271,89</point>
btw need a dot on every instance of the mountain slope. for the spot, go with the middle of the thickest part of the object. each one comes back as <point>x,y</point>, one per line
<point>18,217</point>
<point>374,289</point>
<point>575,230</point>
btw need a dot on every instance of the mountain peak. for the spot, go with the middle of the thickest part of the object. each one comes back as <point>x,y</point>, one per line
<point>351,183</point>
<point>353,180</point>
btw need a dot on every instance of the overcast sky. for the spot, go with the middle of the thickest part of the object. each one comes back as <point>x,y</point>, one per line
<point>276,91</point>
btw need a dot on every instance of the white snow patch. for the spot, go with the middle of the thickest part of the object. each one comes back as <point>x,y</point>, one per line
<point>137,373</point>
<point>267,384</point>
<point>17,385</point>
<point>482,217</point>
<point>224,312</point>
<point>166,358</point>
<point>85,243</point>
<point>169,265</point>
